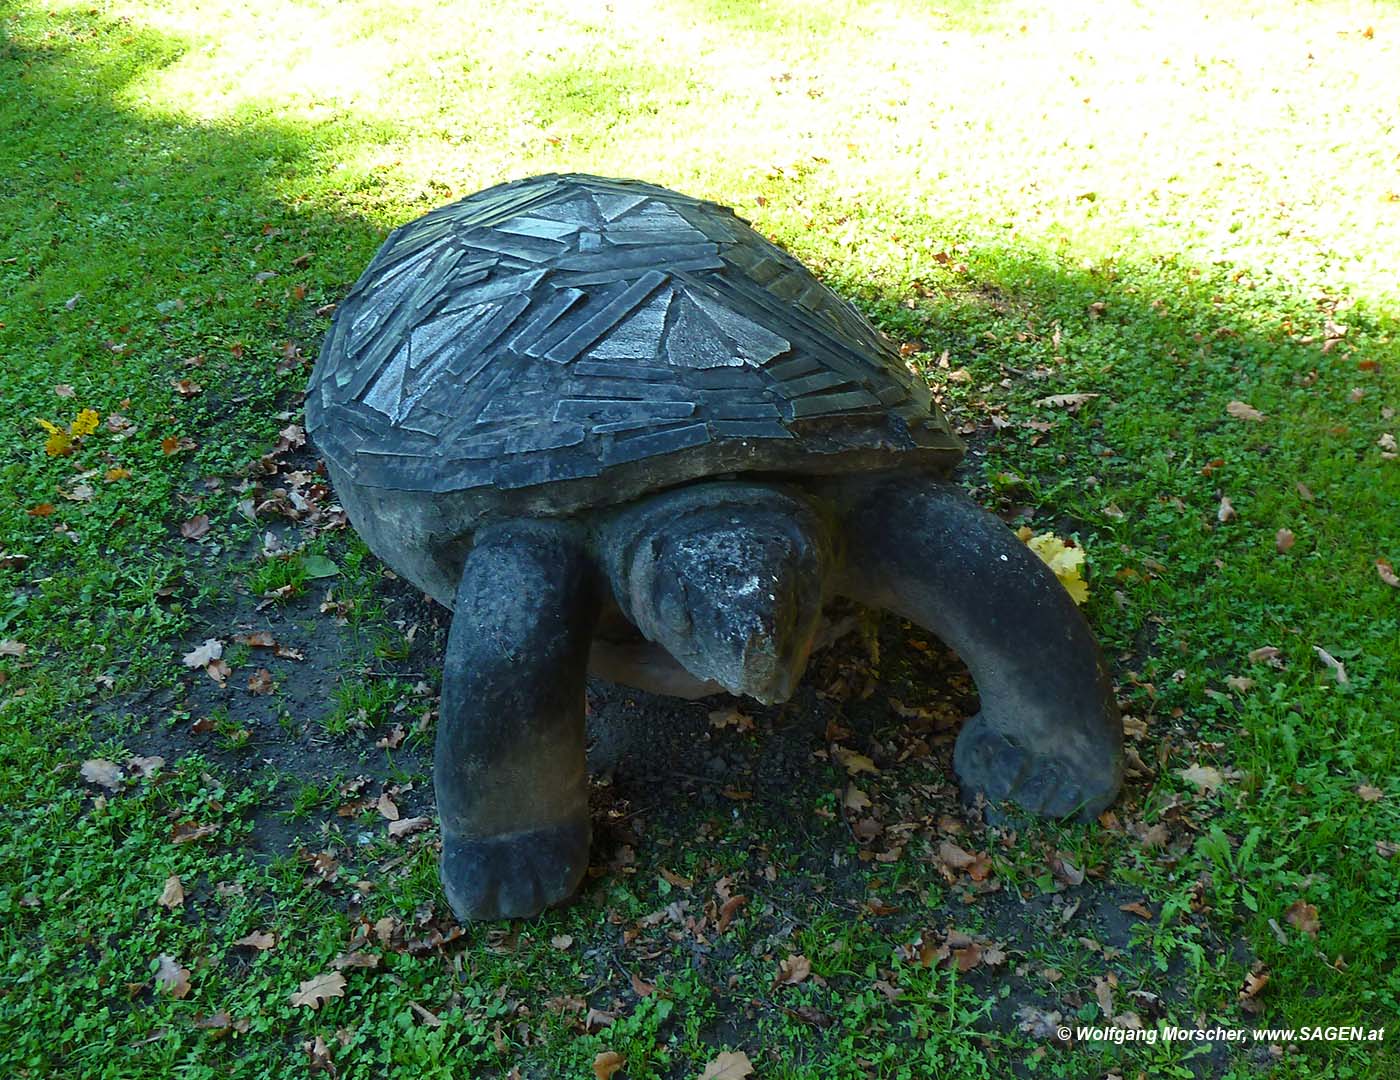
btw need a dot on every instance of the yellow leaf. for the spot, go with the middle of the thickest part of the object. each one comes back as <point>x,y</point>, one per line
<point>51,428</point>
<point>85,423</point>
<point>1064,560</point>
<point>58,443</point>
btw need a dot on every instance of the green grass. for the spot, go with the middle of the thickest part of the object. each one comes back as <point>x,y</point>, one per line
<point>1173,208</point>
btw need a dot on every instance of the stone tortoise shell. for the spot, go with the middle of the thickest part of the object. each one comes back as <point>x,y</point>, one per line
<point>568,341</point>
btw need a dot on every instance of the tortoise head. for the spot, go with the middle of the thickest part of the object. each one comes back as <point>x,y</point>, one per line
<point>729,579</point>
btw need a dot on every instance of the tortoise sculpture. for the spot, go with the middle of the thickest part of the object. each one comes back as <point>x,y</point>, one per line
<point>615,430</point>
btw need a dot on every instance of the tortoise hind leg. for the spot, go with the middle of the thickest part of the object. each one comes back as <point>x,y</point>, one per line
<point>1048,736</point>
<point>508,767</point>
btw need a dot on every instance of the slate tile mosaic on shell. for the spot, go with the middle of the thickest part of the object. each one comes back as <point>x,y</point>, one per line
<point>551,328</point>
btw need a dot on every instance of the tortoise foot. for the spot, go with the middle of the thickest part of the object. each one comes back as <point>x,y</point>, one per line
<point>514,875</point>
<point>1042,781</point>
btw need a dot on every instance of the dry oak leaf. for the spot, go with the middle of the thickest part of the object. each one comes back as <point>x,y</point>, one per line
<point>313,993</point>
<point>10,647</point>
<point>1226,511</point>
<point>260,682</point>
<point>387,807</point>
<point>103,773</point>
<point>1339,671</point>
<point>259,940</point>
<point>1203,776</point>
<point>187,832</point>
<point>607,1063</point>
<point>792,970</point>
<point>1253,985</point>
<point>1370,793</point>
<point>145,767</point>
<point>855,799</point>
<point>1064,870</point>
<point>854,763</point>
<point>1387,573</point>
<point>1302,916</point>
<point>1065,401</point>
<point>407,826</point>
<point>1267,654</point>
<point>1240,411</point>
<point>173,895</point>
<point>1283,540</point>
<point>196,527</point>
<point>728,911</point>
<point>723,718</point>
<point>171,976</point>
<point>204,655</point>
<point>730,1065</point>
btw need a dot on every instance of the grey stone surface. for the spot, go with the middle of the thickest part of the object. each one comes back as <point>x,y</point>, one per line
<point>615,429</point>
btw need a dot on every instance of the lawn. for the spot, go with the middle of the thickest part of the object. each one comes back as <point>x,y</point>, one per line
<point>1146,257</point>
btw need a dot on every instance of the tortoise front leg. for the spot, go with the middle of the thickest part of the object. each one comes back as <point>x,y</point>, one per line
<point>1048,736</point>
<point>509,770</point>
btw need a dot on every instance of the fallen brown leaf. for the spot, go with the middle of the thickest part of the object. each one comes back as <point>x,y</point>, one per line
<point>196,527</point>
<point>173,895</point>
<point>1064,870</point>
<point>1240,411</point>
<point>730,1065</point>
<point>258,939</point>
<point>1266,654</point>
<point>729,910</point>
<point>408,826</point>
<point>853,762</point>
<point>187,832</point>
<point>1339,671</point>
<point>726,718</point>
<point>173,978</point>
<point>607,1063</point>
<point>103,773</point>
<point>1303,916</point>
<point>1254,985</point>
<point>205,654</point>
<point>1204,777</point>
<point>1065,401</point>
<point>313,993</point>
<point>792,970</point>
